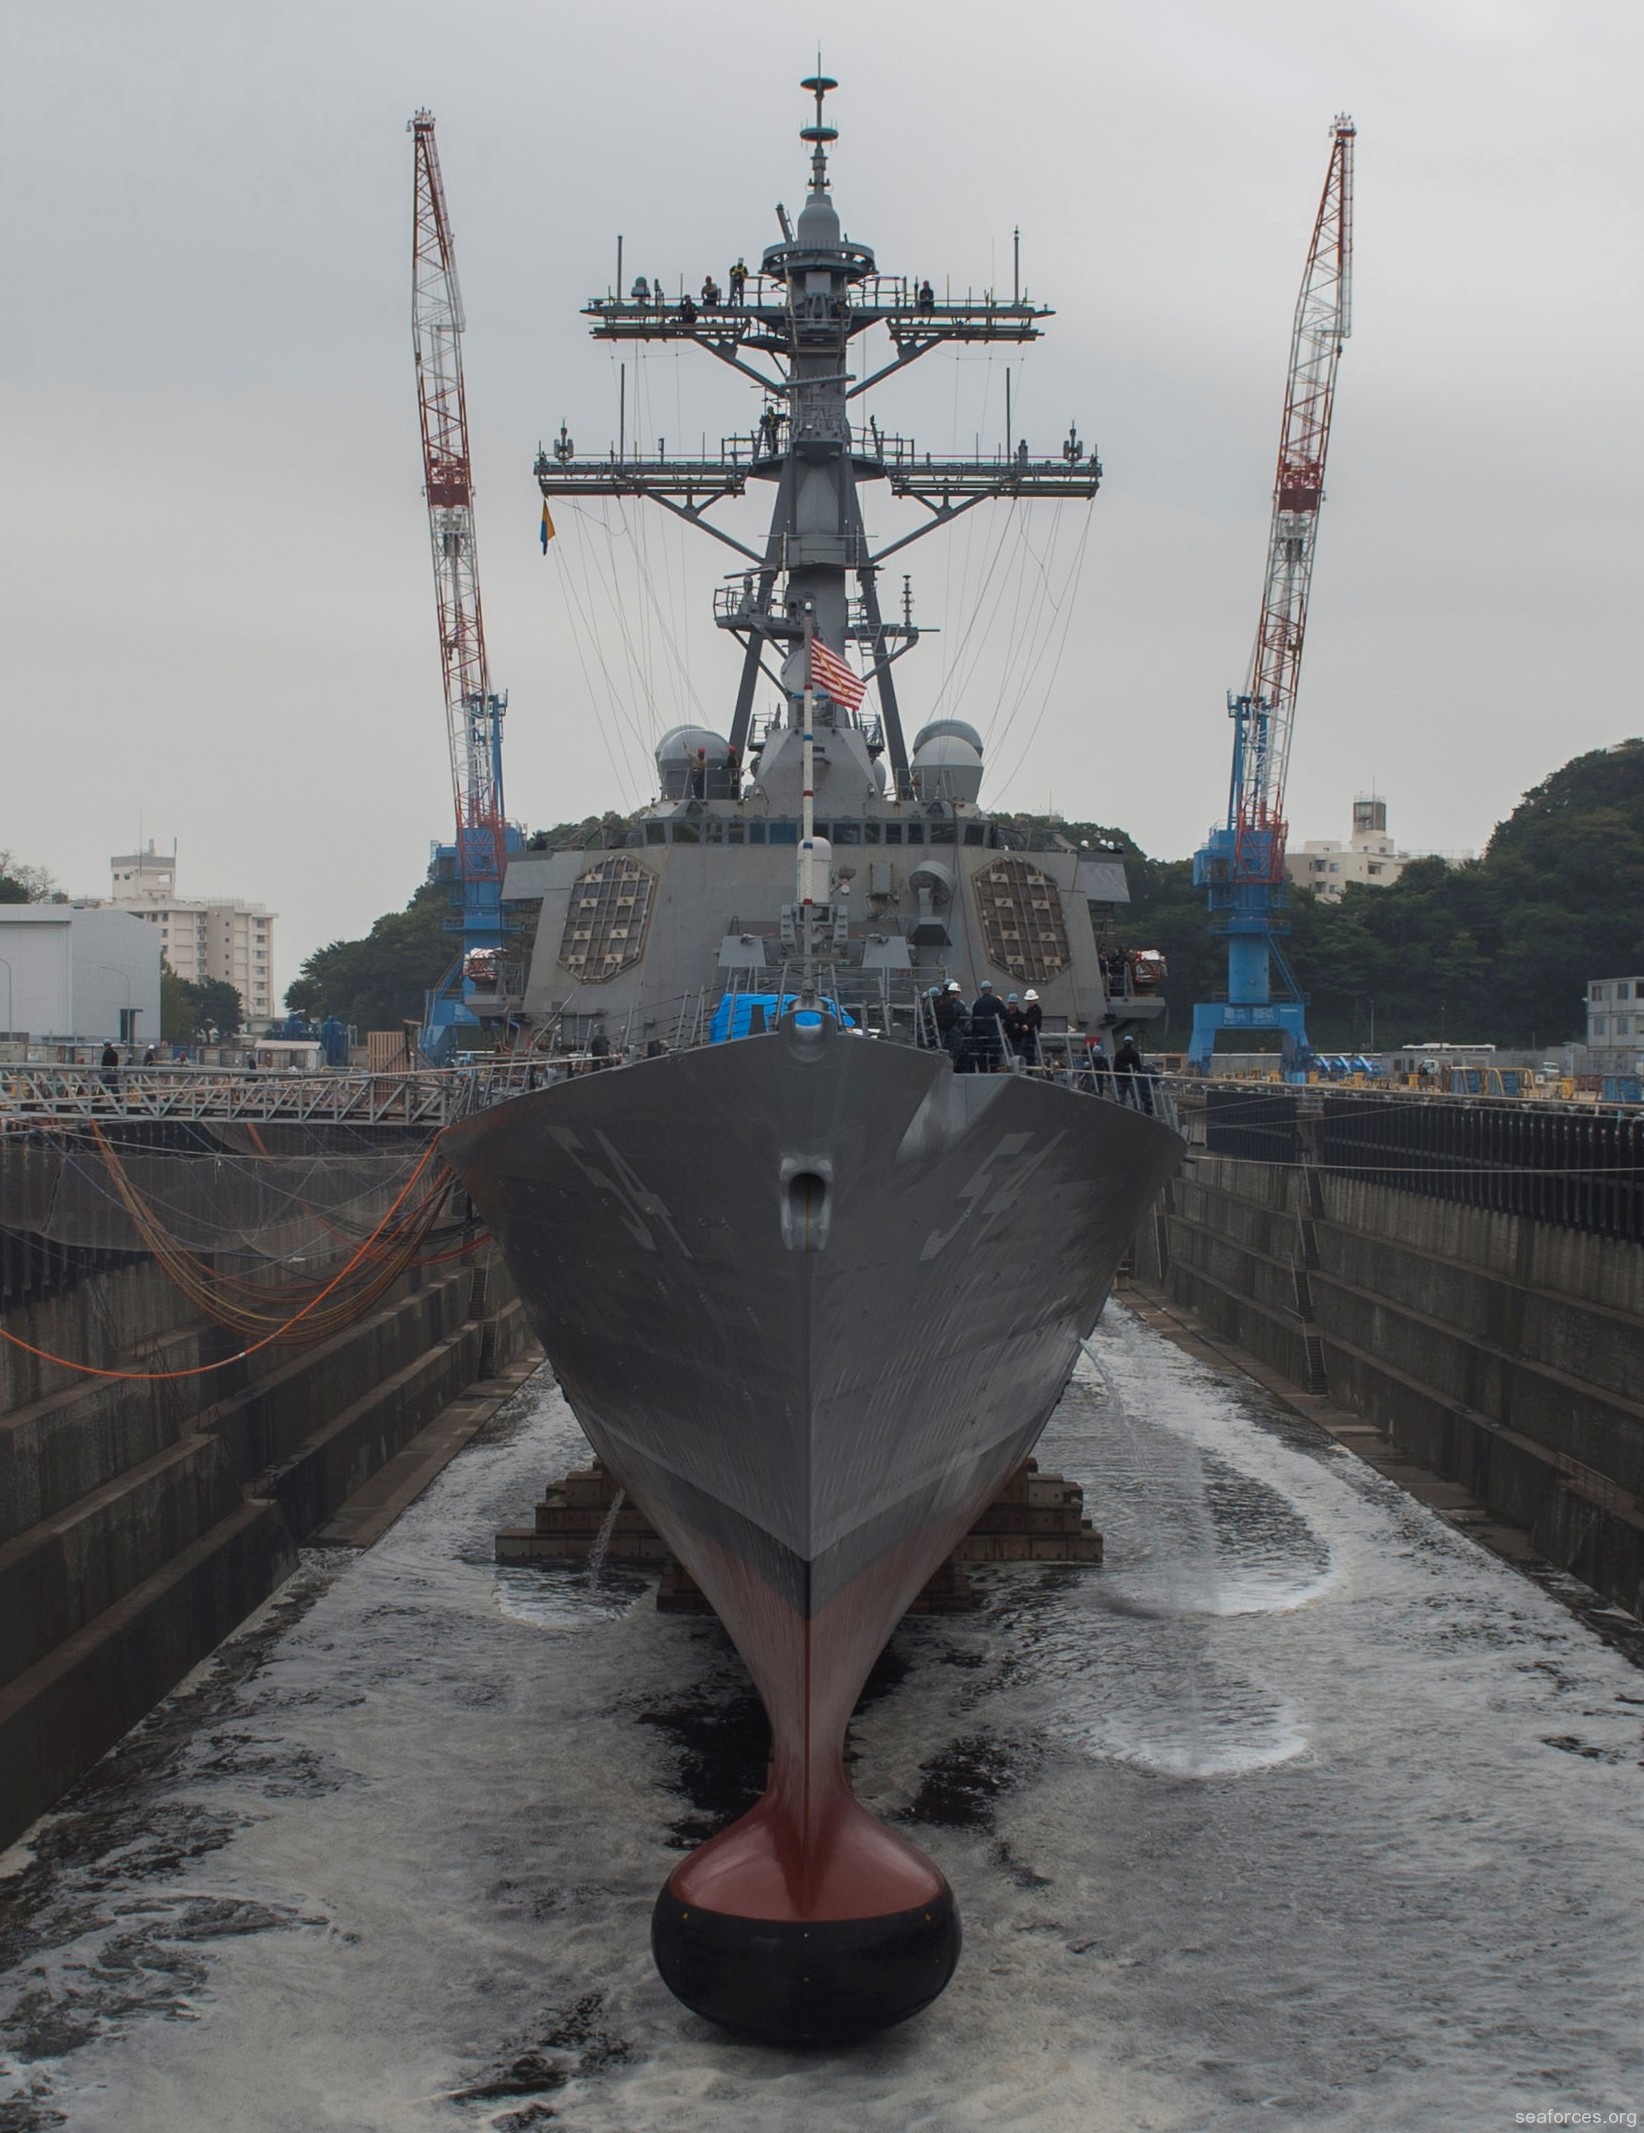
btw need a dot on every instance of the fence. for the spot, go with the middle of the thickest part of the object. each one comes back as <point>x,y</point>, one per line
<point>1577,1168</point>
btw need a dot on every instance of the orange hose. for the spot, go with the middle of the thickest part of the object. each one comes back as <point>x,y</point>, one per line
<point>200,1369</point>
<point>203,1285</point>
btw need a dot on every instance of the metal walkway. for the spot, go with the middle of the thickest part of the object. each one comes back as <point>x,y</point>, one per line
<point>32,1095</point>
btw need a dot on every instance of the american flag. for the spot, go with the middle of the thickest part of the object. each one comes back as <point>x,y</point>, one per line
<point>829,671</point>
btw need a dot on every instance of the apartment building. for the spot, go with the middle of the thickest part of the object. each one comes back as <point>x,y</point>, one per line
<point>1326,866</point>
<point>222,937</point>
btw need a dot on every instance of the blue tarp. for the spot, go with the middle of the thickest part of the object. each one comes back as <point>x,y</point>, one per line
<point>734,1016</point>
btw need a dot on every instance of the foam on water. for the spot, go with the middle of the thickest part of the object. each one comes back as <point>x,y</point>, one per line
<point>1302,1811</point>
<point>552,1598</point>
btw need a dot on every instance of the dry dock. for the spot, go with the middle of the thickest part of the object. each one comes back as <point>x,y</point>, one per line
<point>1303,1811</point>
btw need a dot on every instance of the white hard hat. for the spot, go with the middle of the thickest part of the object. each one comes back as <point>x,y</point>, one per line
<point>953,985</point>
<point>1030,994</point>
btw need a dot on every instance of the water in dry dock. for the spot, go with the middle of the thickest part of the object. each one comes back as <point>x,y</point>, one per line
<point>1303,1812</point>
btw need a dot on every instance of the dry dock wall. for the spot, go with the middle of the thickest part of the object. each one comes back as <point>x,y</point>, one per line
<point>1502,1352</point>
<point>140,1522</point>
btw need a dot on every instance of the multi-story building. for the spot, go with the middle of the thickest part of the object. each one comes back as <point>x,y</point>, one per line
<point>1368,856</point>
<point>1326,866</point>
<point>1615,1014</point>
<point>222,937</point>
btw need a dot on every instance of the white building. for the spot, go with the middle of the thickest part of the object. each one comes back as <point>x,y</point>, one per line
<point>78,973</point>
<point>1615,1014</point>
<point>1369,855</point>
<point>221,938</point>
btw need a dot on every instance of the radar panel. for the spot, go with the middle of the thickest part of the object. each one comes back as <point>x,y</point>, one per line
<point>605,923</point>
<point>1023,929</point>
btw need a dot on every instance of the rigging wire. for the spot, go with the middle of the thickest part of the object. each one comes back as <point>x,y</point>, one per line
<point>1068,607</point>
<point>621,707</point>
<point>617,608</point>
<point>668,538</point>
<point>567,589</point>
<point>1048,606</point>
<point>681,670</point>
<point>982,614</point>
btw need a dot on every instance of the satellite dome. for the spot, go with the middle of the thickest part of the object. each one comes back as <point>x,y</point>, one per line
<point>693,763</point>
<point>818,226</point>
<point>948,729</point>
<point>947,767</point>
<point>680,742</point>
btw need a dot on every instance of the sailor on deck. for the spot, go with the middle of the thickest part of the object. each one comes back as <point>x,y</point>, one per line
<point>1130,1073</point>
<point>953,1024</point>
<point>1034,1016</point>
<point>987,1014</point>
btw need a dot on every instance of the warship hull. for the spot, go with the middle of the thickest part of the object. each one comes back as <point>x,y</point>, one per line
<point>812,1297</point>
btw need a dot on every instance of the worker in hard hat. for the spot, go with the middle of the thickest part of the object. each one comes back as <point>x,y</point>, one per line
<point>987,1016</point>
<point>953,1025</point>
<point>1034,1016</point>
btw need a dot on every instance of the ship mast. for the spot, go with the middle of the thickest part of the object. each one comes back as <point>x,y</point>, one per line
<point>789,328</point>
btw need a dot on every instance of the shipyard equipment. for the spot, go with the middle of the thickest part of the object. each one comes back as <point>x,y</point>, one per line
<point>1242,865</point>
<point>473,865</point>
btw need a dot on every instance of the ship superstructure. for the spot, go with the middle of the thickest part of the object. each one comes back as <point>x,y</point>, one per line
<point>811,1289</point>
<point>915,882</point>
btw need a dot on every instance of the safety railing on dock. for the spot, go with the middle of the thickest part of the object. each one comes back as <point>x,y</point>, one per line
<point>427,1099</point>
<point>1574,1165</point>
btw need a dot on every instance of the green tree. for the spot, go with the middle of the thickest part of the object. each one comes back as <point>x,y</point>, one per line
<point>177,1015</point>
<point>218,1007</point>
<point>190,1013</point>
<point>23,884</point>
<point>379,982</point>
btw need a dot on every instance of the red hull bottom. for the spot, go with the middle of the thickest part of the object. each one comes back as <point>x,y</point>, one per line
<point>808,1920</point>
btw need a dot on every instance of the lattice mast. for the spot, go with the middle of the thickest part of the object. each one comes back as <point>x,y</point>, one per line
<point>473,710</point>
<point>1324,319</point>
<point>790,326</point>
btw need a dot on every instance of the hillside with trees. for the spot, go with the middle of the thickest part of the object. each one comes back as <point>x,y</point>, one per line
<point>1497,951</point>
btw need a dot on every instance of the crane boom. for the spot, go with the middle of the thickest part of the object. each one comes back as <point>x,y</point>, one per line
<point>473,710</point>
<point>1324,319</point>
<point>1243,863</point>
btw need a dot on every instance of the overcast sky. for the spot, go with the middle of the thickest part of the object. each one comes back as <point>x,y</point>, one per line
<point>219,614</point>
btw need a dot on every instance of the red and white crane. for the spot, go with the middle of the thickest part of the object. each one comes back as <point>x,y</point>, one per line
<point>473,710</point>
<point>1242,864</point>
